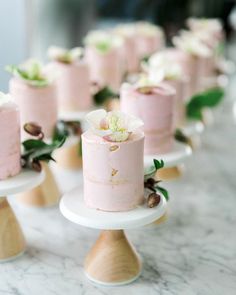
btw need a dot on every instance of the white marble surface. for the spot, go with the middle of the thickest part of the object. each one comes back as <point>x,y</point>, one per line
<point>193,253</point>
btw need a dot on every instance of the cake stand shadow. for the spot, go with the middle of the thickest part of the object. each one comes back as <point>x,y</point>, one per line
<point>113,260</point>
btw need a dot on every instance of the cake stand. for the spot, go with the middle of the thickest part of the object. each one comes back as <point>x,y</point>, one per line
<point>112,260</point>
<point>68,156</point>
<point>47,194</point>
<point>173,161</point>
<point>12,241</point>
<point>192,129</point>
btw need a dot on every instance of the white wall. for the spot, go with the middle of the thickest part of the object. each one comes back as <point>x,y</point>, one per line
<point>13,36</point>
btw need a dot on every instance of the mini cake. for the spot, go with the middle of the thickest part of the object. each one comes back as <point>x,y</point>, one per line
<point>129,50</point>
<point>35,95</point>
<point>150,38</point>
<point>73,83</point>
<point>155,106</point>
<point>10,148</point>
<point>103,55</point>
<point>201,57</point>
<point>113,168</point>
<point>159,64</point>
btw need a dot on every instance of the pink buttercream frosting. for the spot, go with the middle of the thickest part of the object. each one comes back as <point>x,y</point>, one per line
<point>105,68</point>
<point>10,152</point>
<point>147,45</point>
<point>181,88</point>
<point>113,172</point>
<point>36,104</point>
<point>156,110</point>
<point>73,86</point>
<point>189,65</point>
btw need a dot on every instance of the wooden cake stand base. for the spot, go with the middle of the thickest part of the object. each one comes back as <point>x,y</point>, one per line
<point>174,166</point>
<point>46,194</point>
<point>68,156</point>
<point>12,241</point>
<point>113,260</point>
<point>170,172</point>
<point>119,260</point>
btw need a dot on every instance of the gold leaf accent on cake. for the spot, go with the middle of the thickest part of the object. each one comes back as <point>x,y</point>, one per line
<point>113,148</point>
<point>114,172</point>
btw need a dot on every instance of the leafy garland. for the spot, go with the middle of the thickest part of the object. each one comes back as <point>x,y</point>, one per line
<point>66,128</point>
<point>153,185</point>
<point>36,150</point>
<point>198,102</point>
<point>103,94</point>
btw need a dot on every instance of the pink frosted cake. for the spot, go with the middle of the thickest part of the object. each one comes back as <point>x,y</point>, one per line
<point>129,50</point>
<point>73,83</point>
<point>37,102</point>
<point>162,65</point>
<point>200,58</point>
<point>10,154</point>
<point>113,162</point>
<point>149,39</point>
<point>103,55</point>
<point>155,106</point>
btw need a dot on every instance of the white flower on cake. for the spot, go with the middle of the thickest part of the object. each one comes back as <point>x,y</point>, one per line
<point>33,73</point>
<point>148,29</point>
<point>212,25</point>
<point>158,65</point>
<point>189,42</point>
<point>103,41</point>
<point>5,98</point>
<point>113,126</point>
<point>65,55</point>
<point>145,81</point>
<point>125,30</point>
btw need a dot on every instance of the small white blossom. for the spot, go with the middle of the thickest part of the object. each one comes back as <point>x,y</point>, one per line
<point>113,126</point>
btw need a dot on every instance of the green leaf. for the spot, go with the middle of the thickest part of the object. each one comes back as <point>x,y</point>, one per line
<point>145,59</point>
<point>209,98</point>
<point>102,95</point>
<point>163,191</point>
<point>33,144</point>
<point>180,136</point>
<point>158,164</point>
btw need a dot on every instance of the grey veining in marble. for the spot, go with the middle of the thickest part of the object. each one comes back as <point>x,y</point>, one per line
<point>193,253</point>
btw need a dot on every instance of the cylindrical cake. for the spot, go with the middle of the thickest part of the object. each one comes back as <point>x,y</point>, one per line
<point>181,87</point>
<point>73,86</point>
<point>156,109</point>
<point>10,149</point>
<point>105,67</point>
<point>113,172</point>
<point>36,104</point>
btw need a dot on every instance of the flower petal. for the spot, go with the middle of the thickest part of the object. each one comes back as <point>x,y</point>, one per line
<point>94,118</point>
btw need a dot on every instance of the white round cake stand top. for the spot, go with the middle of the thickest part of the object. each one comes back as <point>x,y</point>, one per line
<point>25,180</point>
<point>73,208</point>
<point>72,115</point>
<point>175,157</point>
<point>192,128</point>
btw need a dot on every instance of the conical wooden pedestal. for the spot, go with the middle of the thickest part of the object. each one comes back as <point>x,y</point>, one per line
<point>12,241</point>
<point>170,172</point>
<point>161,220</point>
<point>112,260</point>
<point>68,157</point>
<point>46,194</point>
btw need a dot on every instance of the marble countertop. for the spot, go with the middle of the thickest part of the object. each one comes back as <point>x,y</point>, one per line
<point>193,253</point>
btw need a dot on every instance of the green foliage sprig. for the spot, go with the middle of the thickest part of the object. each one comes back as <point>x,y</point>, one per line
<point>198,102</point>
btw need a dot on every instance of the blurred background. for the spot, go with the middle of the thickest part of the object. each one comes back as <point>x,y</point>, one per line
<point>29,27</point>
